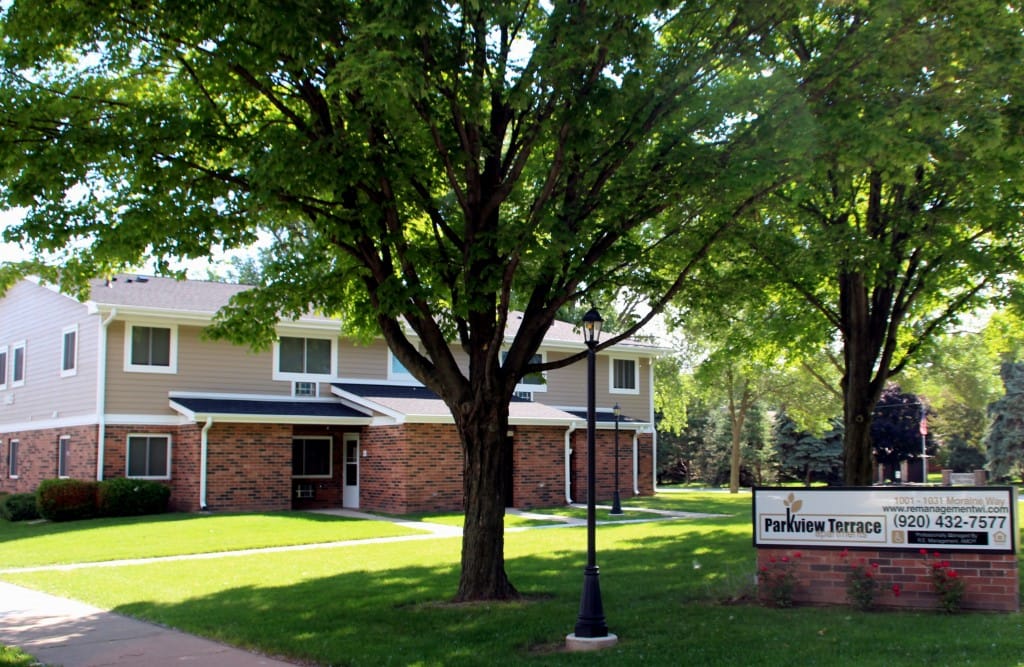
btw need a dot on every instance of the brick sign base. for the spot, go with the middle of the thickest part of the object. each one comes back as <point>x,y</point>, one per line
<point>991,580</point>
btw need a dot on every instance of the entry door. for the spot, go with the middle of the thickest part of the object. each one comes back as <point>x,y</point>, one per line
<point>350,496</point>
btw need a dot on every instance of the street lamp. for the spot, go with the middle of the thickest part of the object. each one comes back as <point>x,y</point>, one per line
<point>616,502</point>
<point>590,625</point>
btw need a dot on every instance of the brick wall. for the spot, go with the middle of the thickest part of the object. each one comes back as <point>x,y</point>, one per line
<point>37,456</point>
<point>249,467</point>
<point>991,580</point>
<point>539,466</point>
<point>604,465</point>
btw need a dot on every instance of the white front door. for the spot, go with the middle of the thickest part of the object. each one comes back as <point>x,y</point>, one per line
<point>350,496</point>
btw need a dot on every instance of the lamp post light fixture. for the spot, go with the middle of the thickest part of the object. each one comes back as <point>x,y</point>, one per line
<point>616,501</point>
<point>591,631</point>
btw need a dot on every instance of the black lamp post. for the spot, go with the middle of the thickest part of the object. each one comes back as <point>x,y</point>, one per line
<point>590,623</point>
<point>616,502</point>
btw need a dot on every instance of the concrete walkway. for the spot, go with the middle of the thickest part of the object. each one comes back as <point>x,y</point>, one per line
<point>64,632</point>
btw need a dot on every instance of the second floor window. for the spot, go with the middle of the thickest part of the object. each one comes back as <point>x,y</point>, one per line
<point>17,364</point>
<point>69,354</point>
<point>624,376</point>
<point>300,357</point>
<point>151,349</point>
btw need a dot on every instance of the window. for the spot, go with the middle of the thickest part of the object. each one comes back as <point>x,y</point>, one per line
<point>63,444</point>
<point>311,457</point>
<point>18,364</point>
<point>149,456</point>
<point>151,349</point>
<point>12,459</point>
<point>3,367</point>
<point>69,354</point>
<point>625,377</point>
<point>532,381</point>
<point>302,358</point>
<point>305,389</point>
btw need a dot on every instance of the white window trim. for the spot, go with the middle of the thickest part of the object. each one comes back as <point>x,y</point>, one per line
<point>528,386</point>
<point>20,345</point>
<point>170,369</point>
<point>330,455</point>
<point>316,389</point>
<point>61,455</point>
<point>396,376</point>
<point>12,445</point>
<point>612,389</point>
<point>127,453</point>
<point>6,371</point>
<point>305,377</point>
<point>63,352</point>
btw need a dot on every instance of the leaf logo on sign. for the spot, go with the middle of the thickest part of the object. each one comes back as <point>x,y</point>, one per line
<point>792,504</point>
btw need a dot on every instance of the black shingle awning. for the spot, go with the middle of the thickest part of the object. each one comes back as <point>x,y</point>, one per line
<point>199,408</point>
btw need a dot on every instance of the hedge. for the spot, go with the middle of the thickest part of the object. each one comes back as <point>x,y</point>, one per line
<point>19,507</point>
<point>131,497</point>
<point>66,499</point>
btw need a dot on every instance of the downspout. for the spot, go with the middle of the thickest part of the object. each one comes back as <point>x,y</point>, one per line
<point>101,395</point>
<point>203,448</point>
<point>636,463</point>
<point>568,466</point>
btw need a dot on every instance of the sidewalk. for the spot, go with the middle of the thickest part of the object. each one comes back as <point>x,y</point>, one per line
<point>64,632</point>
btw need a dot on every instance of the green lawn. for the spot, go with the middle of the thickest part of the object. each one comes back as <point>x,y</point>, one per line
<point>674,592</point>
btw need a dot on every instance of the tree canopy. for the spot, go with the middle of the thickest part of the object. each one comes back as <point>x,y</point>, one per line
<point>423,169</point>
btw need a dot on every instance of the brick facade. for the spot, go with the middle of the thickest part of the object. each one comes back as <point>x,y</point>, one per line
<point>404,468</point>
<point>991,580</point>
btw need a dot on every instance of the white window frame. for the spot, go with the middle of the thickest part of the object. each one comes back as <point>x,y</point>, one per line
<point>4,356</point>
<point>15,348</point>
<point>278,374</point>
<point>531,387</point>
<point>295,388</point>
<point>12,458</point>
<point>402,375</point>
<point>170,369</point>
<point>635,389</point>
<point>128,451</point>
<point>73,370</point>
<point>63,449</point>
<point>330,456</point>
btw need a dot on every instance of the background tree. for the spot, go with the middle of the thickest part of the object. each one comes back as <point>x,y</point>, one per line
<point>423,168</point>
<point>910,214</point>
<point>1005,438</point>
<point>896,431</point>
<point>805,456</point>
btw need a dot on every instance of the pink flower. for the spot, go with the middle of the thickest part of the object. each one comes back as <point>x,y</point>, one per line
<point>797,554</point>
<point>951,574</point>
<point>874,565</point>
<point>924,552</point>
<point>896,590</point>
<point>785,559</point>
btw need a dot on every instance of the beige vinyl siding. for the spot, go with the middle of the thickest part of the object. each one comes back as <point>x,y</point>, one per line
<point>567,386</point>
<point>38,316</point>
<point>363,362</point>
<point>203,366</point>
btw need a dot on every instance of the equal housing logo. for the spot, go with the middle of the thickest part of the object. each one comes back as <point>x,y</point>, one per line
<point>804,523</point>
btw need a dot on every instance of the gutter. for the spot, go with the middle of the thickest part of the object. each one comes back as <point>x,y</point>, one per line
<point>101,395</point>
<point>568,467</point>
<point>203,450</point>
<point>636,463</point>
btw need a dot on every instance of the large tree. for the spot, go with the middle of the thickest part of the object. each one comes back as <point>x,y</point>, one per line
<point>423,168</point>
<point>910,213</point>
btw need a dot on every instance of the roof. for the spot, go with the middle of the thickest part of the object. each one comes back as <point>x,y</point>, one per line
<point>419,404</point>
<point>204,298</point>
<point>199,408</point>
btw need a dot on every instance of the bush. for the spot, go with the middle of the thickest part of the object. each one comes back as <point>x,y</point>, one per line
<point>66,499</point>
<point>132,497</point>
<point>19,507</point>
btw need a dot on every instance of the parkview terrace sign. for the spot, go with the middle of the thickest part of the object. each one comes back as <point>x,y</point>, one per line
<point>897,517</point>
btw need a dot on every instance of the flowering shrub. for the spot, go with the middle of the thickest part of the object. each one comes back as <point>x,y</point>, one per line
<point>778,579</point>
<point>947,583</point>
<point>862,583</point>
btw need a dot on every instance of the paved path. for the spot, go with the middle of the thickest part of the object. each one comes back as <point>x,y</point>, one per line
<point>64,632</point>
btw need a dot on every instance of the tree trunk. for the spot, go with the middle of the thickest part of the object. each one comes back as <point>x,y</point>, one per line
<point>482,430</point>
